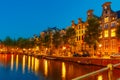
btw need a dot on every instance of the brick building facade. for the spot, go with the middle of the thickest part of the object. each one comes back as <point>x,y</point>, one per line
<point>109,44</point>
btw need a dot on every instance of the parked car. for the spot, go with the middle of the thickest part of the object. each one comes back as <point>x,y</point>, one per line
<point>85,54</point>
<point>76,55</point>
<point>117,55</point>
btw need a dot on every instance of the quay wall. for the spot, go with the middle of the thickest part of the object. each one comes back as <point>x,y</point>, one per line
<point>87,60</point>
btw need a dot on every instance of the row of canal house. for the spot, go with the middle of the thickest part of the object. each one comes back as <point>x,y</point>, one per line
<point>109,44</point>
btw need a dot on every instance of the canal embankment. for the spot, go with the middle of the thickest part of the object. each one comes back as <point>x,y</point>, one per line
<point>84,60</point>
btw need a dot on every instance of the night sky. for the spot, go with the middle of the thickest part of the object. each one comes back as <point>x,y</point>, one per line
<point>24,18</point>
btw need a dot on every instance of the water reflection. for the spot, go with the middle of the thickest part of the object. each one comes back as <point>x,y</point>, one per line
<point>12,62</point>
<point>36,65</point>
<point>46,67</point>
<point>16,62</point>
<point>33,61</point>
<point>23,64</point>
<point>29,60</point>
<point>63,70</point>
<point>28,66</point>
<point>100,77</point>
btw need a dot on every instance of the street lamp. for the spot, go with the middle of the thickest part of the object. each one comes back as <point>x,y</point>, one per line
<point>64,47</point>
<point>100,45</point>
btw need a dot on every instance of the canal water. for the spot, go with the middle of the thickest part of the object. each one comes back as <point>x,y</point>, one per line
<point>22,67</point>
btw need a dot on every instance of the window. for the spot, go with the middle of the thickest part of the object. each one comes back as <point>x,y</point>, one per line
<point>105,7</point>
<point>100,27</point>
<point>113,24</point>
<point>106,33</point>
<point>83,31</point>
<point>113,44</point>
<point>113,34</point>
<point>79,37</point>
<point>79,32</point>
<point>88,14</point>
<point>106,19</point>
<point>106,44</point>
<point>113,18</point>
<point>82,37</point>
<point>79,27</point>
<point>106,26</point>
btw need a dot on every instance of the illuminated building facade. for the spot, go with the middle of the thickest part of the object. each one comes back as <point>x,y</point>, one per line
<point>80,31</point>
<point>108,22</point>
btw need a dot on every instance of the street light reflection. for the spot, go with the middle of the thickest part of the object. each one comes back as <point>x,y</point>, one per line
<point>46,67</point>
<point>12,62</point>
<point>63,70</point>
<point>29,63</point>
<point>33,61</point>
<point>23,65</point>
<point>16,62</point>
<point>36,65</point>
<point>100,77</point>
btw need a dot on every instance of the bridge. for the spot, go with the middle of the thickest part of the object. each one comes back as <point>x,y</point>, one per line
<point>109,68</point>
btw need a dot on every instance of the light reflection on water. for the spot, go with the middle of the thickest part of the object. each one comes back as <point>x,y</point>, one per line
<point>33,61</point>
<point>29,60</point>
<point>63,70</point>
<point>12,62</point>
<point>16,62</point>
<point>100,77</point>
<point>46,67</point>
<point>36,66</point>
<point>23,64</point>
<point>22,67</point>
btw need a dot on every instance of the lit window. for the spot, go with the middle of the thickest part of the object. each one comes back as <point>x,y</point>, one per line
<point>88,14</point>
<point>105,7</point>
<point>113,18</point>
<point>106,33</point>
<point>113,34</point>
<point>83,31</point>
<point>106,19</point>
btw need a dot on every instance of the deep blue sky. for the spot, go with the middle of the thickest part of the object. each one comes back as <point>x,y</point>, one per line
<point>24,18</point>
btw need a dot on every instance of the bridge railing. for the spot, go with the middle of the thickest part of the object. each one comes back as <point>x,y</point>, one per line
<point>109,68</point>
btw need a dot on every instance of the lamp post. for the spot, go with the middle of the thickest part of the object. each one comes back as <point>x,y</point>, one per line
<point>64,50</point>
<point>100,45</point>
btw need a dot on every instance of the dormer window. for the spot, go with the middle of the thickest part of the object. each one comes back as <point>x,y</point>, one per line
<point>88,14</point>
<point>105,7</point>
